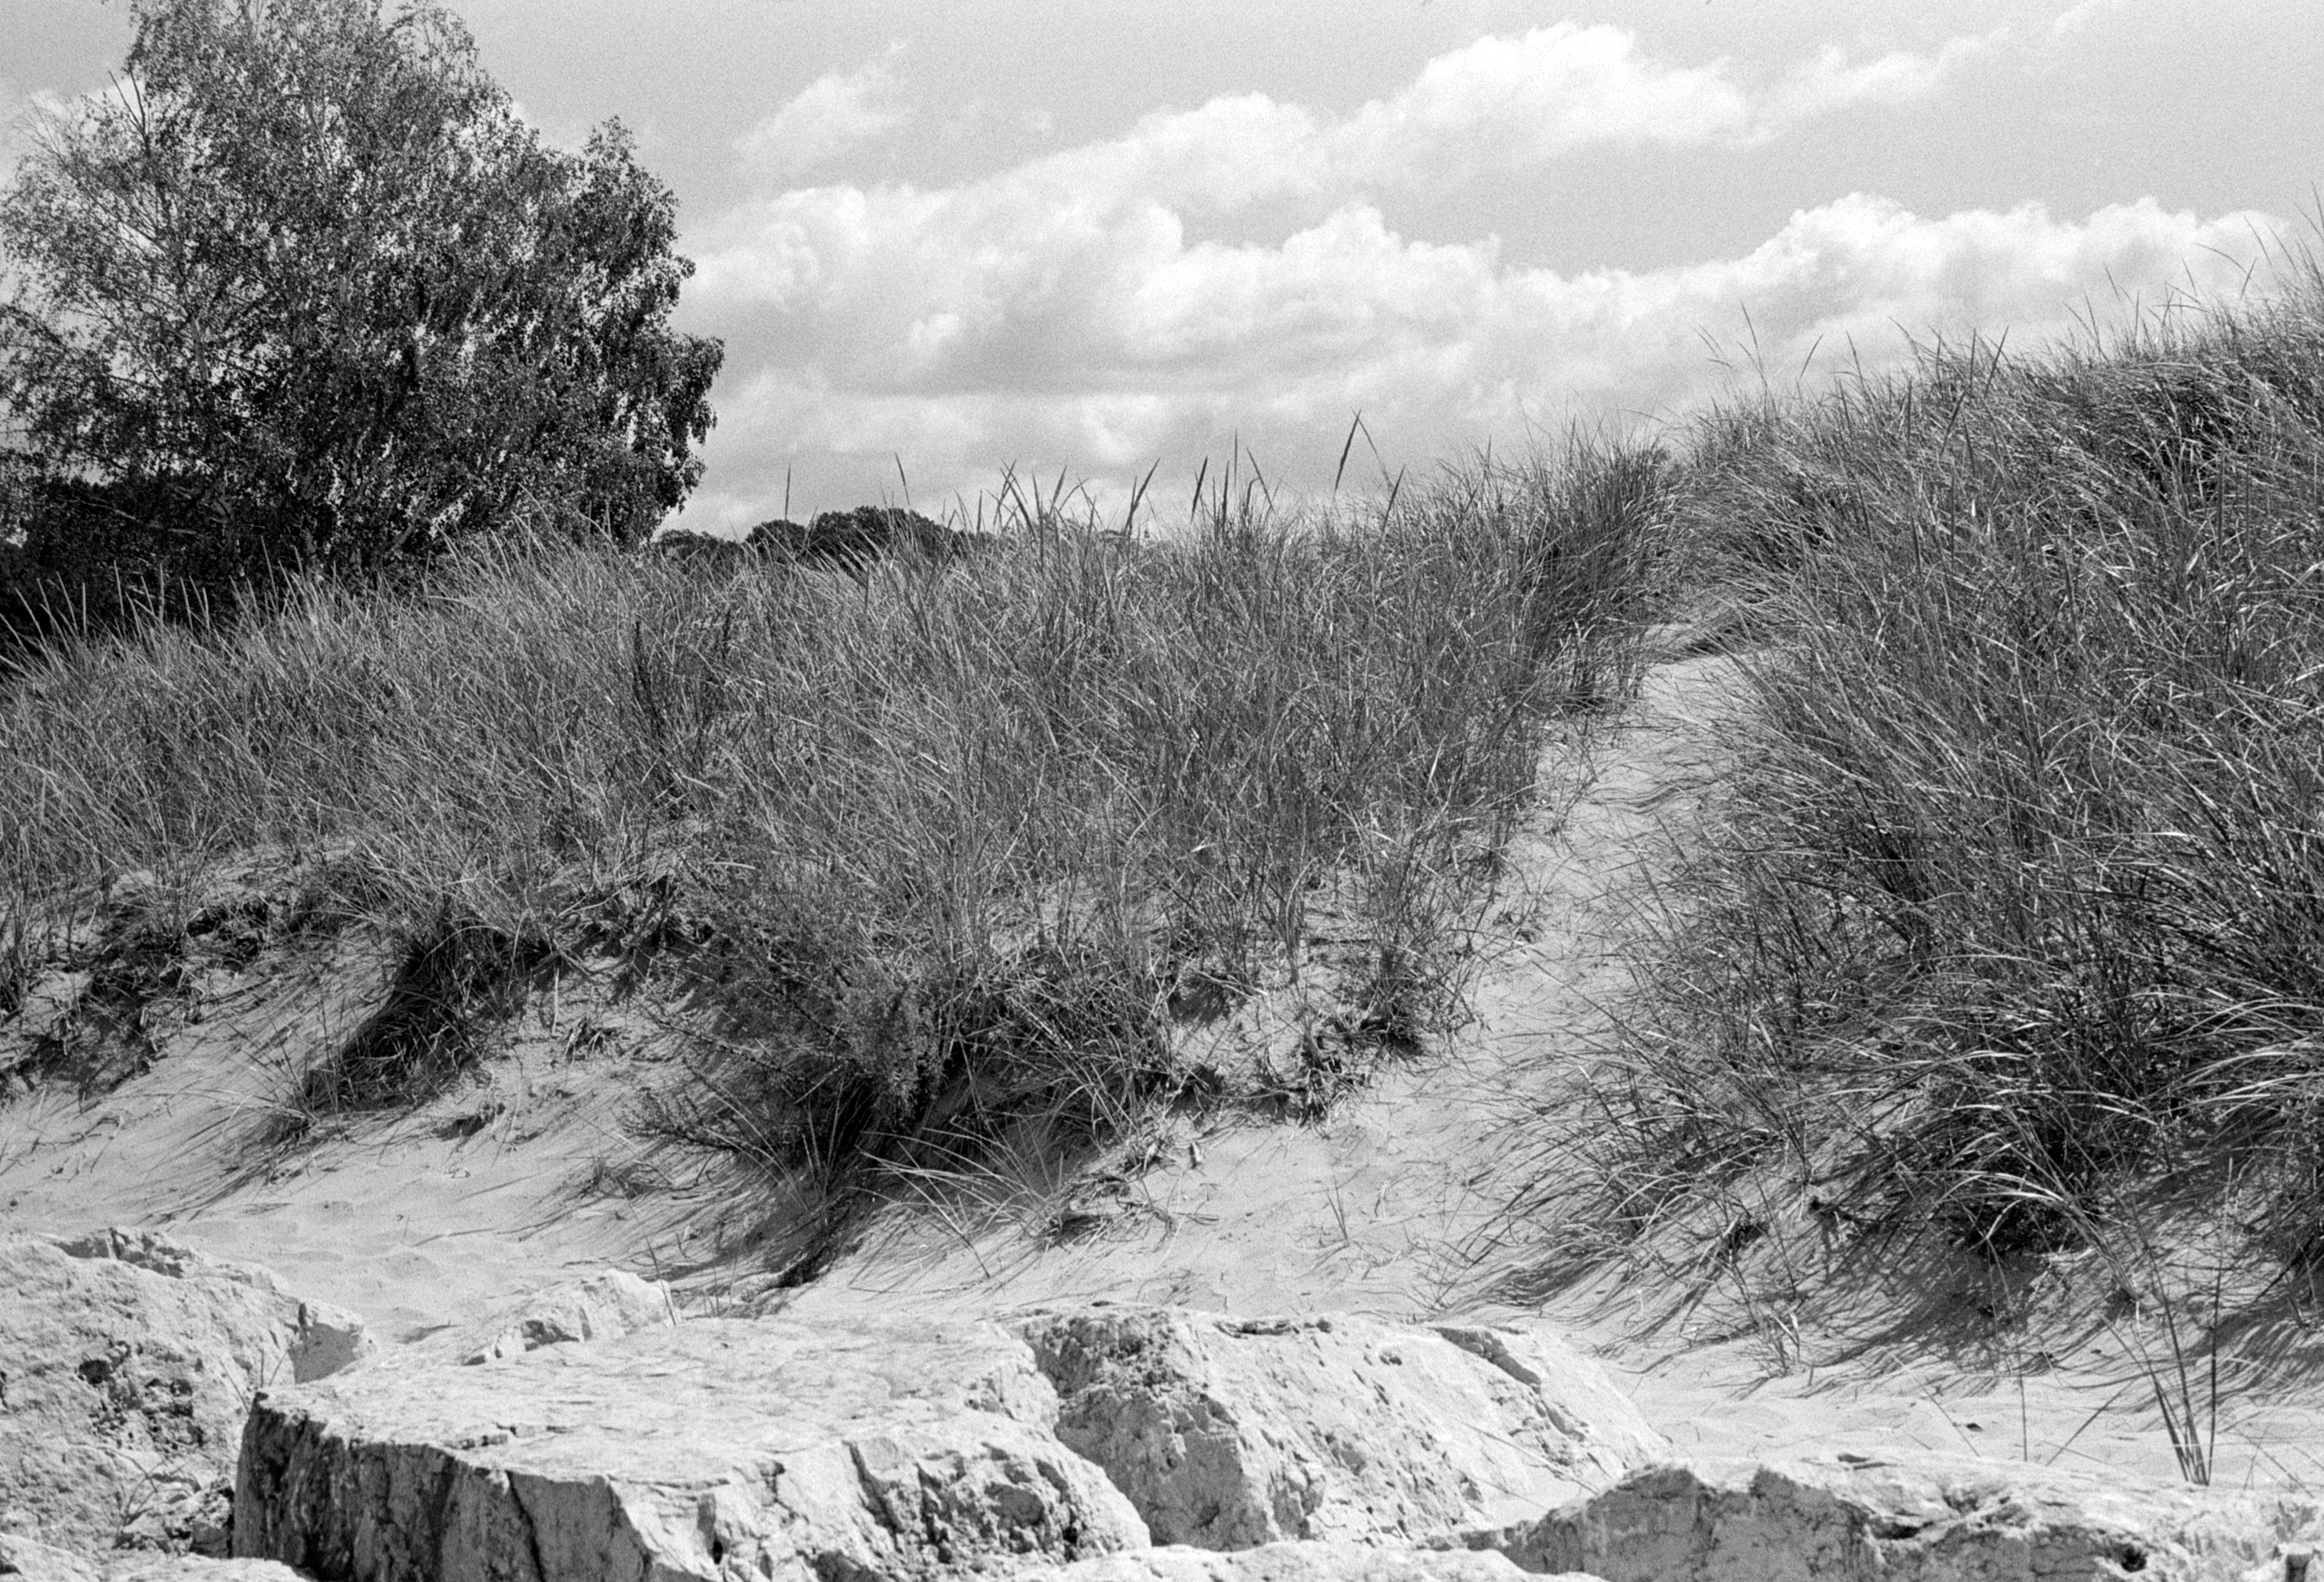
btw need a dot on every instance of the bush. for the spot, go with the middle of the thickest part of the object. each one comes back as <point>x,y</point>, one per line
<point>305,291</point>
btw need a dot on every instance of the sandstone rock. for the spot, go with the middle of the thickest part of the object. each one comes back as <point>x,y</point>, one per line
<point>148,1568</point>
<point>718,1448</point>
<point>126,1363</point>
<point>27,1561</point>
<point>597,1307</point>
<point>322,1339</point>
<point>1229,1434</point>
<point>1926,1520</point>
<point>1299,1561</point>
<point>40,1562</point>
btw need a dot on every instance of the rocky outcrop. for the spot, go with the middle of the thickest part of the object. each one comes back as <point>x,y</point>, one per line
<point>1308,1561</point>
<point>1230,1433</point>
<point>717,1448</point>
<point>27,1561</point>
<point>1110,1444</point>
<point>1923,1520</point>
<point>597,1307</point>
<point>773,1448</point>
<point>41,1562</point>
<point>126,1363</point>
<point>192,1569</point>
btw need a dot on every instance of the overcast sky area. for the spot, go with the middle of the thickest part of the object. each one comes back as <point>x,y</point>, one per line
<point>1101,236</point>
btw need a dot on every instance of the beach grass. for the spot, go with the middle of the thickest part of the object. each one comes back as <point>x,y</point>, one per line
<point>919,851</point>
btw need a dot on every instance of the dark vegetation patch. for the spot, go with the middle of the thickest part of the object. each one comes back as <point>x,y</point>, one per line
<point>454,984</point>
<point>106,995</point>
<point>333,388</point>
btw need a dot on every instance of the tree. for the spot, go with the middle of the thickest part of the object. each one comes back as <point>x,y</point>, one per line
<point>305,289</point>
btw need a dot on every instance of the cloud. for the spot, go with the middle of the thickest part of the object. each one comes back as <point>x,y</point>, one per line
<point>1503,102</point>
<point>14,110</point>
<point>836,112</point>
<point>1830,83</point>
<point>899,331</point>
<point>1511,101</point>
<point>1500,102</point>
<point>1059,313</point>
<point>1557,89</point>
<point>1531,97</point>
<point>2075,18</point>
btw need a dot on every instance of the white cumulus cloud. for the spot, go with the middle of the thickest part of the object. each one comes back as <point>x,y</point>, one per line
<point>836,112</point>
<point>1501,102</point>
<point>1104,346</point>
<point>1527,98</point>
<point>1831,82</point>
<point>2080,15</point>
<point>1059,312</point>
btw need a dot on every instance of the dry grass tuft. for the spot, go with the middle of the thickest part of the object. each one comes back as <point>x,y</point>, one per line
<point>915,852</point>
<point>2007,929</point>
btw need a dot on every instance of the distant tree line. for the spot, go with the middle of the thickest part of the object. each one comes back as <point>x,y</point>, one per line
<point>851,542</point>
<point>302,289</point>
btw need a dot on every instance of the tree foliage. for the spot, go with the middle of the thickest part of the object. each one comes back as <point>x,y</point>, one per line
<point>305,289</point>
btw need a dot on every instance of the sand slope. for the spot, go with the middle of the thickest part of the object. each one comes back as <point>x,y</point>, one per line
<point>1393,1206</point>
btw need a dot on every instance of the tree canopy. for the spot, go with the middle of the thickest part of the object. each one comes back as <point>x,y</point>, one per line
<point>304,287</point>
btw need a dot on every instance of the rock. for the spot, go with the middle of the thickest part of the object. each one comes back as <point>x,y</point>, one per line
<point>714,1448</point>
<point>40,1562</point>
<point>27,1561</point>
<point>1927,1520</point>
<point>127,1362</point>
<point>1228,1434</point>
<point>193,1568</point>
<point>1303,1561</point>
<point>597,1307</point>
<point>323,1338</point>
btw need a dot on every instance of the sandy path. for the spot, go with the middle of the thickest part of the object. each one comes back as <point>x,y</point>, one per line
<point>1396,1204</point>
<point>1381,1207</point>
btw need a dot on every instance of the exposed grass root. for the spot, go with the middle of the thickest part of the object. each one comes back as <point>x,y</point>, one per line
<point>454,983</point>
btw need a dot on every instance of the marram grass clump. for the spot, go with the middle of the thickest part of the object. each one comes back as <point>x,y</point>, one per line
<point>2007,924</point>
<point>913,853</point>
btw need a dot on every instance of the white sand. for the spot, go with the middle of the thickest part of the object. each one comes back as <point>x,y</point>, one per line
<point>1391,1206</point>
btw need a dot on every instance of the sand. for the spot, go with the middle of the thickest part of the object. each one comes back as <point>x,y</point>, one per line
<point>1395,1205</point>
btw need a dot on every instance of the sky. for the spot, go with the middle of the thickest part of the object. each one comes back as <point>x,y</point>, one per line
<point>947,241</point>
